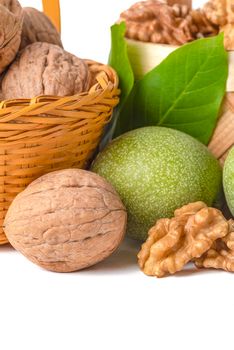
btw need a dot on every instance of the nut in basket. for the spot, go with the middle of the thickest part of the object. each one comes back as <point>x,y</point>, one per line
<point>53,111</point>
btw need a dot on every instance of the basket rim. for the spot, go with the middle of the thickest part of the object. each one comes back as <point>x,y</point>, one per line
<point>110,82</point>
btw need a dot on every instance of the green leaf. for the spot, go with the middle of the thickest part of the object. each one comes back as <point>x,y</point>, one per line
<point>184,92</point>
<point>118,59</point>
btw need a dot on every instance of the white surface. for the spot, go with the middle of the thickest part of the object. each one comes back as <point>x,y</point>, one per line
<point>112,306</point>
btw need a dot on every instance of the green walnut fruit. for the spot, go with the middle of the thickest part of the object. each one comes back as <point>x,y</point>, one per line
<point>228,180</point>
<point>156,170</point>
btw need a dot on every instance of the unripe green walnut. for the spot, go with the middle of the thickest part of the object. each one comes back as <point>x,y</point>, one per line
<point>228,180</point>
<point>156,170</point>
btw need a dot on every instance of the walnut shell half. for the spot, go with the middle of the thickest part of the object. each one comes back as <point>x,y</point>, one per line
<point>66,220</point>
<point>38,27</point>
<point>11,15</point>
<point>45,69</point>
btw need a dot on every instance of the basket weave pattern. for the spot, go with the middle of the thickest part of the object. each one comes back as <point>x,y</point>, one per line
<point>49,133</point>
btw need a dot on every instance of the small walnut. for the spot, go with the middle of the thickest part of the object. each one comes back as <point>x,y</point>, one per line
<point>38,27</point>
<point>221,254</point>
<point>174,242</point>
<point>45,69</point>
<point>10,31</point>
<point>66,220</point>
<point>155,21</point>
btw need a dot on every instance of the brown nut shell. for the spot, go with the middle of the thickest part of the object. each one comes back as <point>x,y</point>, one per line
<point>66,220</point>
<point>38,27</point>
<point>11,15</point>
<point>45,69</point>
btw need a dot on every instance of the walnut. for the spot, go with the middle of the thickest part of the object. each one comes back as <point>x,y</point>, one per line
<point>38,27</point>
<point>155,21</point>
<point>66,220</point>
<point>221,254</point>
<point>188,3</point>
<point>215,11</point>
<point>10,28</point>
<point>221,12</point>
<point>45,69</point>
<point>174,242</point>
<point>189,209</point>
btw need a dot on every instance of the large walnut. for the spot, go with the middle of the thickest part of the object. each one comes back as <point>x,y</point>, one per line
<point>66,220</point>
<point>38,27</point>
<point>45,69</point>
<point>11,15</point>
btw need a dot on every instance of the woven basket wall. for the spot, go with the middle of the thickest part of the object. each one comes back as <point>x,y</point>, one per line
<point>49,133</point>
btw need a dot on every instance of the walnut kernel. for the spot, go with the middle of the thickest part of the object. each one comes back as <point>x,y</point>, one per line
<point>221,254</point>
<point>174,242</point>
<point>157,22</point>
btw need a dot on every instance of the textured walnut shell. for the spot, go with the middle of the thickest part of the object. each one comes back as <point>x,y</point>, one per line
<point>38,27</point>
<point>11,15</point>
<point>45,69</point>
<point>66,220</point>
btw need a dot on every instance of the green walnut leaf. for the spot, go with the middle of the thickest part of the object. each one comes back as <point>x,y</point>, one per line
<point>118,59</point>
<point>184,92</point>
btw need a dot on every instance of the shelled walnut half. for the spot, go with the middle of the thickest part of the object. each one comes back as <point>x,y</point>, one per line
<point>174,242</point>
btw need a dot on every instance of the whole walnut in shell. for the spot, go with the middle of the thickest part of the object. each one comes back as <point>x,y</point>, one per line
<point>38,27</point>
<point>66,220</point>
<point>11,15</point>
<point>45,69</point>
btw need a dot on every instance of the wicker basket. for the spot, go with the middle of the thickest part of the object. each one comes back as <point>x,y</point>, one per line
<point>145,56</point>
<point>48,133</point>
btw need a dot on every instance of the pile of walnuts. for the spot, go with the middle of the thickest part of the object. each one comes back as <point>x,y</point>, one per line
<point>32,59</point>
<point>169,22</point>
<point>196,233</point>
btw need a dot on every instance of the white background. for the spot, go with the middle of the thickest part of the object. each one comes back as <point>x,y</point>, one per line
<point>112,305</point>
